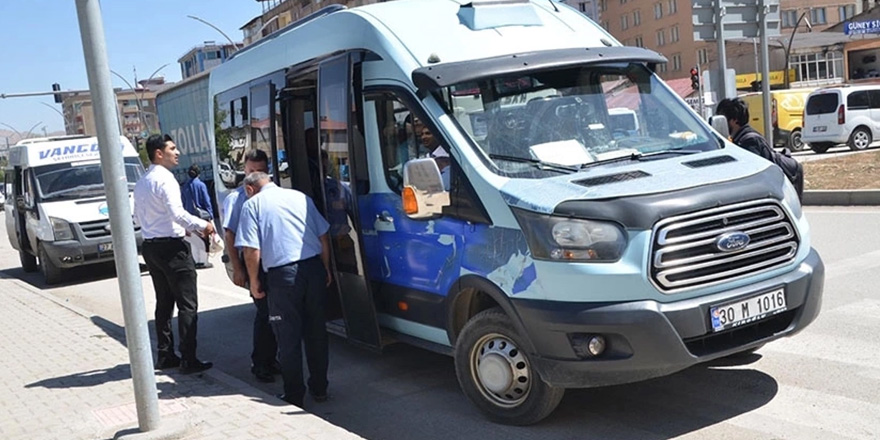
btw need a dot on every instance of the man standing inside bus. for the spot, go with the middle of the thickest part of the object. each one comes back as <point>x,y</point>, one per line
<point>282,230</point>
<point>263,363</point>
<point>164,223</point>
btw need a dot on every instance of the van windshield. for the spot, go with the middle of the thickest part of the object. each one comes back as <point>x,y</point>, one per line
<point>574,117</point>
<point>79,179</point>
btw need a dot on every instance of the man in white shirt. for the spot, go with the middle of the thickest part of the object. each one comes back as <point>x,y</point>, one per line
<point>164,224</point>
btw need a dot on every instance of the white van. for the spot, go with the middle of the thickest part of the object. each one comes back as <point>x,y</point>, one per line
<point>842,115</point>
<point>56,210</point>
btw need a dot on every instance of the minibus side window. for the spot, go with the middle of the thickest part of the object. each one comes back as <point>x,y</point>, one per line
<point>404,136</point>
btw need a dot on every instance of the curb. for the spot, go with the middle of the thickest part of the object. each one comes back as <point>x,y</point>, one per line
<point>842,197</point>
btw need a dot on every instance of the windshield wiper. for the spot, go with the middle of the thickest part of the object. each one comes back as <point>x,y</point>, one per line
<point>639,156</point>
<point>541,165</point>
<point>76,189</point>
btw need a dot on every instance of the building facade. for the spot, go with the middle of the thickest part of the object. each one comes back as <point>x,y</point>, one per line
<point>666,26</point>
<point>205,57</point>
<point>136,110</point>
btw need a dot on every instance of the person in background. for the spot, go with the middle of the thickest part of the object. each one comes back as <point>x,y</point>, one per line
<point>164,223</point>
<point>263,356</point>
<point>737,113</point>
<point>282,231</point>
<point>197,202</point>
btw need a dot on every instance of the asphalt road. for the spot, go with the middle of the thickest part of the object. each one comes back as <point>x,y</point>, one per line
<point>821,384</point>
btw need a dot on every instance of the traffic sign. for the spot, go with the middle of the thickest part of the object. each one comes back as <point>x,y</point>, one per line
<point>740,19</point>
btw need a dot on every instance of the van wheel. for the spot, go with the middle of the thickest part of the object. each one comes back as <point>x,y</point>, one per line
<point>795,141</point>
<point>860,139</point>
<point>497,376</point>
<point>52,273</point>
<point>820,148</point>
<point>28,261</point>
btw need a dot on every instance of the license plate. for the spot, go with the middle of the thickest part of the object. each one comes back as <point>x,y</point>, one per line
<point>748,310</point>
<point>105,247</point>
<point>820,129</point>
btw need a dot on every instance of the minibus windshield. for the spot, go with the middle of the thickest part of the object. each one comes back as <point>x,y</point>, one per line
<point>574,117</point>
<point>79,179</point>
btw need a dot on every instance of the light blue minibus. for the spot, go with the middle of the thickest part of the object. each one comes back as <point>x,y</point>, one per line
<point>484,203</point>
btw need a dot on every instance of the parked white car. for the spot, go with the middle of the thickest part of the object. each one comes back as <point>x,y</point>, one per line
<point>842,115</point>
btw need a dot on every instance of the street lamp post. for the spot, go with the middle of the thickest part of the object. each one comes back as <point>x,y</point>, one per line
<point>18,133</point>
<point>234,46</point>
<point>67,122</point>
<point>786,80</point>
<point>138,100</point>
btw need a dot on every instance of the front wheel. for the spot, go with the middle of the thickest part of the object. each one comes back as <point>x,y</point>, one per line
<point>795,141</point>
<point>28,261</point>
<point>860,139</point>
<point>52,273</point>
<point>498,376</point>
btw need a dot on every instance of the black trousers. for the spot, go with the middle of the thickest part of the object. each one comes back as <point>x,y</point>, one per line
<point>174,277</point>
<point>297,301</point>
<point>265,348</point>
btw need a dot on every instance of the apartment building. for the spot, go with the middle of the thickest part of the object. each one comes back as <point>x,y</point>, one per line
<point>667,27</point>
<point>205,57</point>
<point>136,110</point>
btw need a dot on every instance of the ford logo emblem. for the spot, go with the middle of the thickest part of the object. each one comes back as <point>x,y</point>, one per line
<point>732,241</point>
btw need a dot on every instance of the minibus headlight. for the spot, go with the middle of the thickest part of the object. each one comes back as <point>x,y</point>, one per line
<point>568,239</point>
<point>790,197</point>
<point>61,228</point>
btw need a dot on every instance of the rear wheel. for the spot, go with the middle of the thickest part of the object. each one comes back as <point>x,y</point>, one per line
<point>860,139</point>
<point>795,141</point>
<point>820,148</point>
<point>497,375</point>
<point>51,272</point>
<point>28,261</point>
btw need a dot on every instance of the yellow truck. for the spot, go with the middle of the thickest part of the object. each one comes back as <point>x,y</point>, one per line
<point>786,111</point>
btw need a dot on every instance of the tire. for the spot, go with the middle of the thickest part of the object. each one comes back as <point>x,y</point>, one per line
<point>820,148</point>
<point>28,261</point>
<point>860,139</point>
<point>795,141</point>
<point>52,273</point>
<point>507,389</point>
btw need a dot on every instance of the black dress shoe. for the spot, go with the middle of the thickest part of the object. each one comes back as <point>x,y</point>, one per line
<point>167,362</point>
<point>289,400</point>
<point>262,374</point>
<point>194,366</point>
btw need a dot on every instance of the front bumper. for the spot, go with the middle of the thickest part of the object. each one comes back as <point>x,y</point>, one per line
<point>72,253</point>
<point>648,339</point>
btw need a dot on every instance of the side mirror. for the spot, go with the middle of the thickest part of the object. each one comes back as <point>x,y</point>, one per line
<point>423,193</point>
<point>719,123</point>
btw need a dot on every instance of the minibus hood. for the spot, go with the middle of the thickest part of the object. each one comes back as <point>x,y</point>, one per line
<point>634,178</point>
<point>80,210</point>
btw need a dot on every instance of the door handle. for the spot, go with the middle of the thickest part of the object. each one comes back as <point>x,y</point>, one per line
<point>385,217</point>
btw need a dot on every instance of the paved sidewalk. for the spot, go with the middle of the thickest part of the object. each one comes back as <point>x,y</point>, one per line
<point>65,375</point>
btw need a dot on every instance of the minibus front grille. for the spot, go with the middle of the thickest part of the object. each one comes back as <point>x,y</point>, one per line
<point>686,255</point>
<point>99,228</point>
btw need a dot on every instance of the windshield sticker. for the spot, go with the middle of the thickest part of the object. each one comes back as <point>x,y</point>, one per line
<point>103,209</point>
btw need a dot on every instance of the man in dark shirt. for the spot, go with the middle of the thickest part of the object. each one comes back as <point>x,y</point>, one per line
<point>737,113</point>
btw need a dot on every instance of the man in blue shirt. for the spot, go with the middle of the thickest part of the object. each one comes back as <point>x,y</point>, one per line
<point>197,202</point>
<point>282,231</point>
<point>265,348</point>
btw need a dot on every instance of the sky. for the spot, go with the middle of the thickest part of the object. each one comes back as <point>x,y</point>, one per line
<point>42,45</point>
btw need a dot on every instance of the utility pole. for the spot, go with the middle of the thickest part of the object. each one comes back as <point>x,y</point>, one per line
<point>112,168</point>
<point>721,87</point>
<point>763,11</point>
